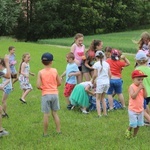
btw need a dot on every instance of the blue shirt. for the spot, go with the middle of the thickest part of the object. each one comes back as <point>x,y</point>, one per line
<point>71,68</point>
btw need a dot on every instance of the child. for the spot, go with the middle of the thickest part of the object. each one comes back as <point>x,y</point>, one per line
<point>107,52</point>
<point>80,97</point>
<point>3,132</point>
<point>78,49</point>
<point>116,78</point>
<point>144,44</point>
<point>89,60</point>
<point>102,72</point>
<point>71,72</point>
<point>6,86</point>
<point>48,81</point>
<point>24,72</point>
<point>12,63</point>
<point>141,60</point>
<point>137,93</point>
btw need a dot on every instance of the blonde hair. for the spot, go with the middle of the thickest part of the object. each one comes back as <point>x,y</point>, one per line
<point>144,35</point>
<point>141,62</point>
<point>23,57</point>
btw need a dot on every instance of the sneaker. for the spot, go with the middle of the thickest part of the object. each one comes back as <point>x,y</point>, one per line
<point>5,115</point>
<point>3,133</point>
<point>146,123</point>
<point>69,106</point>
<point>84,112</point>
<point>128,134</point>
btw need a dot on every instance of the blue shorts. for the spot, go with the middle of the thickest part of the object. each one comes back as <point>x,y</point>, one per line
<point>115,86</point>
<point>147,99</point>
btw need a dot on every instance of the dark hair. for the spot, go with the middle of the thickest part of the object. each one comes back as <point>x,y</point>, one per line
<point>10,48</point>
<point>101,56</point>
<point>94,44</point>
<point>2,62</point>
<point>108,49</point>
<point>46,63</point>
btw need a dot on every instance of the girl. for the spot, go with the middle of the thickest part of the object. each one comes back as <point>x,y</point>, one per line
<point>79,95</point>
<point>78,50</point>
<point>102,72</point>
<point>107,52</point>
<point>116,78</point>
<point>144,44</point>
<point>6,86</point>
<point>89,60</point>
<point>24,72</point>
<point>12,63</point>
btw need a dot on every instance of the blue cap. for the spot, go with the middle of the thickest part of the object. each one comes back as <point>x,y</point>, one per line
<point>47,57</point>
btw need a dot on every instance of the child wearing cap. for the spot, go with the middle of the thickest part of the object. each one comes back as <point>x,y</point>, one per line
<point>48,82</point>
<point>141,60</point>
<point>102,73</point>
<point>116,66</point>
<point>71,73</point>
<point>137,93</point>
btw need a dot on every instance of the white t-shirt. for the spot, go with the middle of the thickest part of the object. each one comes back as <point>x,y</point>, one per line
<point>102,76</point>
<point>86,84</point>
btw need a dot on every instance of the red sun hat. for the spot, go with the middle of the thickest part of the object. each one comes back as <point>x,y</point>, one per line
<point>138,73</point>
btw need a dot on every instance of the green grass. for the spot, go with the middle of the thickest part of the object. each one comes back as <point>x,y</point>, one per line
<point>119,40</point>
<point>79,131</point>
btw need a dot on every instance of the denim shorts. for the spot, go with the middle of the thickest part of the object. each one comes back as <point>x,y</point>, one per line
<point>115,86</point>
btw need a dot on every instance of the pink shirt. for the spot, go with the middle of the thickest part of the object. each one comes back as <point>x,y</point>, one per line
<point>79,52</point>
<point>49,82</point>
<point>136,104</point>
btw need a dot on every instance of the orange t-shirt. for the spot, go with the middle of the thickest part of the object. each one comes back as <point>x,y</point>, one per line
<point>49,82</point>
<point>116,67</point>
<point>136,104</point>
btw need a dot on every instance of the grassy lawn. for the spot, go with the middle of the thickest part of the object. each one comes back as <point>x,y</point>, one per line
<point>79,131</point>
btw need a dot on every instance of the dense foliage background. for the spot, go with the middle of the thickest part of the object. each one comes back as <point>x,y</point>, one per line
<point>39,19</point>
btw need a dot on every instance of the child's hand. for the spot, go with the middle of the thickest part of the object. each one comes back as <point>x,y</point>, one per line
<point>122,57</point>
<point>69,75</point>
<point>141,86</point>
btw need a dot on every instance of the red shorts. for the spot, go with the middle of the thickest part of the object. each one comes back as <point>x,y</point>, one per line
<point>68,89</point>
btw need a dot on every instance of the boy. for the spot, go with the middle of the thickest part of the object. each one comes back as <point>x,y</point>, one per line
<point>71,72</point>
<point>141,60</point>
<point>48,81</point>
<point>12,63</point>
<point>137,93</point>
<point>3,132</point>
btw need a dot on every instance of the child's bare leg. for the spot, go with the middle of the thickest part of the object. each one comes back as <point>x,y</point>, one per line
<point>57,120</point>
<point>67,100</point>
<point>79,78</point>
<point>147,109</point>
<point>25,93</point>
<point>4,104</point>
<point>121,98</point>
<point>15,80</point>
<point>1,118</point>
<point>147,116</point>
<point>135,131</point>
<point>98,107</point>
<point>104,104</point>
<point>110,100</point>
<point>45,122</point>
<point>87,76</point>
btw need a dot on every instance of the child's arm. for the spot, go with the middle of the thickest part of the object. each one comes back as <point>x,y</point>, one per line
<point>39,83</point>
<point>126,60</point>
<point>8,74</point>
<point>72,48</point>
<point>94,76</point>
<point>133,93</point>
<point>144,92</point>
<point>64,74</point>
<point>32,74</point>
<point>58,80</point>
<point>74,74</point>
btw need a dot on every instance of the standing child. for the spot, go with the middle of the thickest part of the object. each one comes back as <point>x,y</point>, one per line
<point>12,63</point>
<point>6,86</point>
<point>80,97</point>
<point>89,60</point>
<point>137,93</point>
<point>78,49</point>
<point>107,52</point>
<point>102,72</point>
<point>141,60</point>
<point>3,132</point>
<point>71,72</point>
<point>116,77</point>
<point>24,72</point>
<point>48,82</point>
